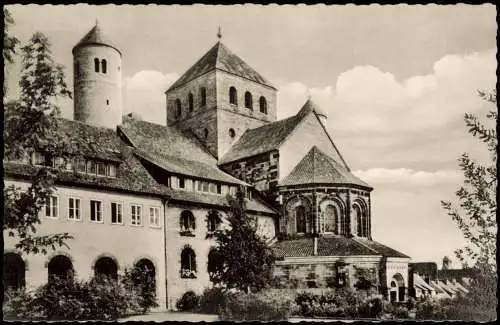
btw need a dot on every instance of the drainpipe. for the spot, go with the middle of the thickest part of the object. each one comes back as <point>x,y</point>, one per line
<point>165,203</point>
<point>315,245</point>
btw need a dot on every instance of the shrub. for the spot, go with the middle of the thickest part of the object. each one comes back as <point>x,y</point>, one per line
<point>371,307</point>
<point>432,309</point>
<point>141,281</point>
<point>340,303</point>
<point>212,300</point>
<point>267,305</point>
<point>188,301</point>
<point>68,299</point>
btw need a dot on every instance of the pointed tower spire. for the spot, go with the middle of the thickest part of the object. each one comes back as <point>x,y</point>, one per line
<point>219,33</point>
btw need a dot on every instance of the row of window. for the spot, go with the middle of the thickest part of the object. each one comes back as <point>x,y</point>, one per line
<point>192,185</point>
<point>87,166</point>
<point>187,222</point>
<point>233,100</point>
<point>96,211</point>
<point>100,63</point>
<point>333,221</point>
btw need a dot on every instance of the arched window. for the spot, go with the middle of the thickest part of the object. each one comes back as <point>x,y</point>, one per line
<point>96,64</point>
<point>248,100</point>
<point>213,221</point>
<point>214,264</point>
<point>232,133</point>
<point>106,267</point>
<point>331,219</point>
<point>358,216</point>
<point>190,102</point>
<point>300,219</point>
<point>178,108</point>
<point>61,267</point>
<point>147,278</point>
<point>203,96</point>
<point>263,105</point>
<point>14,270</point>
<point>187,222</point>
<point>233,96</point>
<point>104,65</point>
<point>188,263</point>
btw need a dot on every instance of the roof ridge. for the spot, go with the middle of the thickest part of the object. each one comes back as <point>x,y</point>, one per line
<point>372,249</point>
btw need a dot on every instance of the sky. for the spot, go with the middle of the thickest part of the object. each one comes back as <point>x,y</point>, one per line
<point>395,82</point>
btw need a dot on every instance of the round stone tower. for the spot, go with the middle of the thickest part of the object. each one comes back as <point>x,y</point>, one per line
<point>97,86</point>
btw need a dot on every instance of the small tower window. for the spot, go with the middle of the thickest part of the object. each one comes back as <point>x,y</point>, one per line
<point>248,100</point>
<point>104,66</point>
<point>77,69</point>
<point>190,102</point>
<point>263,105</point>
<point>178,108</point>
<point>107,102</point>
<point>232,133</point>
<point>205,133</point>
<point>203,96</point>
<point>233,96</point>
<point>96,64</point>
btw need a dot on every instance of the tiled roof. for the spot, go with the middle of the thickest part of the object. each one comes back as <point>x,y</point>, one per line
<point>327,246</point>
<point>381,248</point>
<point>456,273</point>
<point>218,200</point>
<point>318,168</point>
<point>186,167</point>
<point>92,141</point>
<point>164,141</point>
<point>221,58</point>
<point>96,36</point>
<point>332,246</point>
<point>418,281</point>
<point>260,140</point>
<point>173,151</point>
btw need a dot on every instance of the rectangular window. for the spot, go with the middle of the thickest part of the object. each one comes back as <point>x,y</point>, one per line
<point>174,181</point>
<point>91,167</point>
<point>101,169</point>
<point>205,187</point>
<point>135,216</point>
<point>111,170</point>
<point>95,211</point>
<point>219,189</point>
<point>189,184</point>
<point>154,216</point>
<point>74,208</point>
<point>81,165</point>
<point>52,207</point>
<point>212,188</point>
<point>116,213</point>
<point>181,182</point>
<point>199,186</point>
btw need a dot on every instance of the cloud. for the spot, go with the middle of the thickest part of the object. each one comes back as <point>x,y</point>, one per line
<point>408,177</point>
<point>396,121</point>
<point>144,94</point>
<point>150,80</point>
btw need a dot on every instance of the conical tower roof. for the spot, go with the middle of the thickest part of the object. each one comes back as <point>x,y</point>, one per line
<point>96,36</point>
<point>221,58</point>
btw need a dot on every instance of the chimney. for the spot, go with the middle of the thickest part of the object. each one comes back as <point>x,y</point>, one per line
<point>315,245</point>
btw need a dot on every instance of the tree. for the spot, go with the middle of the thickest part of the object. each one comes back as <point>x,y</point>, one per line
<point>31,125</point>
<point>9,43</point>
<point>245,260</point>
<point>476,217</point>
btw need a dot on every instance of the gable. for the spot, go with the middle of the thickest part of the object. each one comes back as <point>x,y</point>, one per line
<point>308,133</point>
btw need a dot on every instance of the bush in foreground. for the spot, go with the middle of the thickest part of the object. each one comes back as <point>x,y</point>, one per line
<point>67,299</point>
<point>188,302</point>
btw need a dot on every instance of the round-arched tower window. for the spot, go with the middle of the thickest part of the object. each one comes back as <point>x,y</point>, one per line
<point>232,133</point>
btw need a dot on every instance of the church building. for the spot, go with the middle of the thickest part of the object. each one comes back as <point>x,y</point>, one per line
<point>152,195</point>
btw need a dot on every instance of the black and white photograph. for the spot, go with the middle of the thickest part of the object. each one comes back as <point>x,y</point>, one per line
<point>250,162</point>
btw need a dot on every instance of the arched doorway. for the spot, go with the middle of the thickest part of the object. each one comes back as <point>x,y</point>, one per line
<point>146,278</point>
<point>14,271</point>
<point>61,267</point>
<point>106,266</point>
<point>397,288</point>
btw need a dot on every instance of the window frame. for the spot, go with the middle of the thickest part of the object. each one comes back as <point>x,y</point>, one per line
<point>203,97</point>
<point>50,216</point>
<point>101,211</point>
<point>118,203</point>
<point>263,105</point>
<point>136,205</point>
<point>248,100</point>
<point>158,223</point>
<point>97,64</point>
<point>232,90</point>
<point>75,198</point>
